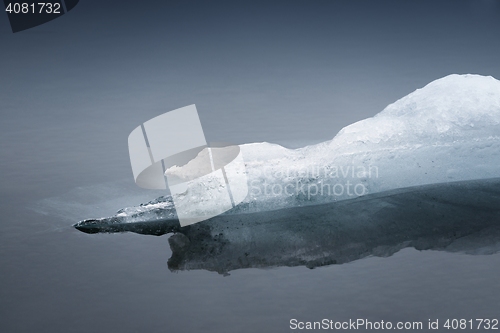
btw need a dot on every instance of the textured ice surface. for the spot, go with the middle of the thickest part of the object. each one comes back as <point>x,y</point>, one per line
<point>447,131</point>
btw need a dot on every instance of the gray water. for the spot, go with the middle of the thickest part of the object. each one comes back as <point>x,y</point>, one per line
<point>72,90</point>
<point>57,279</point>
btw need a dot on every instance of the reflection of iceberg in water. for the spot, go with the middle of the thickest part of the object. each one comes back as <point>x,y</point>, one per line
<point>457,217</point>
<point>453,217</point>
<point>446,132</point>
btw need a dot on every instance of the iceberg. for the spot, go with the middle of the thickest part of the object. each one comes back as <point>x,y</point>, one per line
<point>447,132</point>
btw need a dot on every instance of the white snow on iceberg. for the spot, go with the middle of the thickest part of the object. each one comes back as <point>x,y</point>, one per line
<point>447,131</point>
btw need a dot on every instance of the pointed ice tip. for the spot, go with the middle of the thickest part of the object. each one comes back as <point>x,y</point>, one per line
<point>88,226</point>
